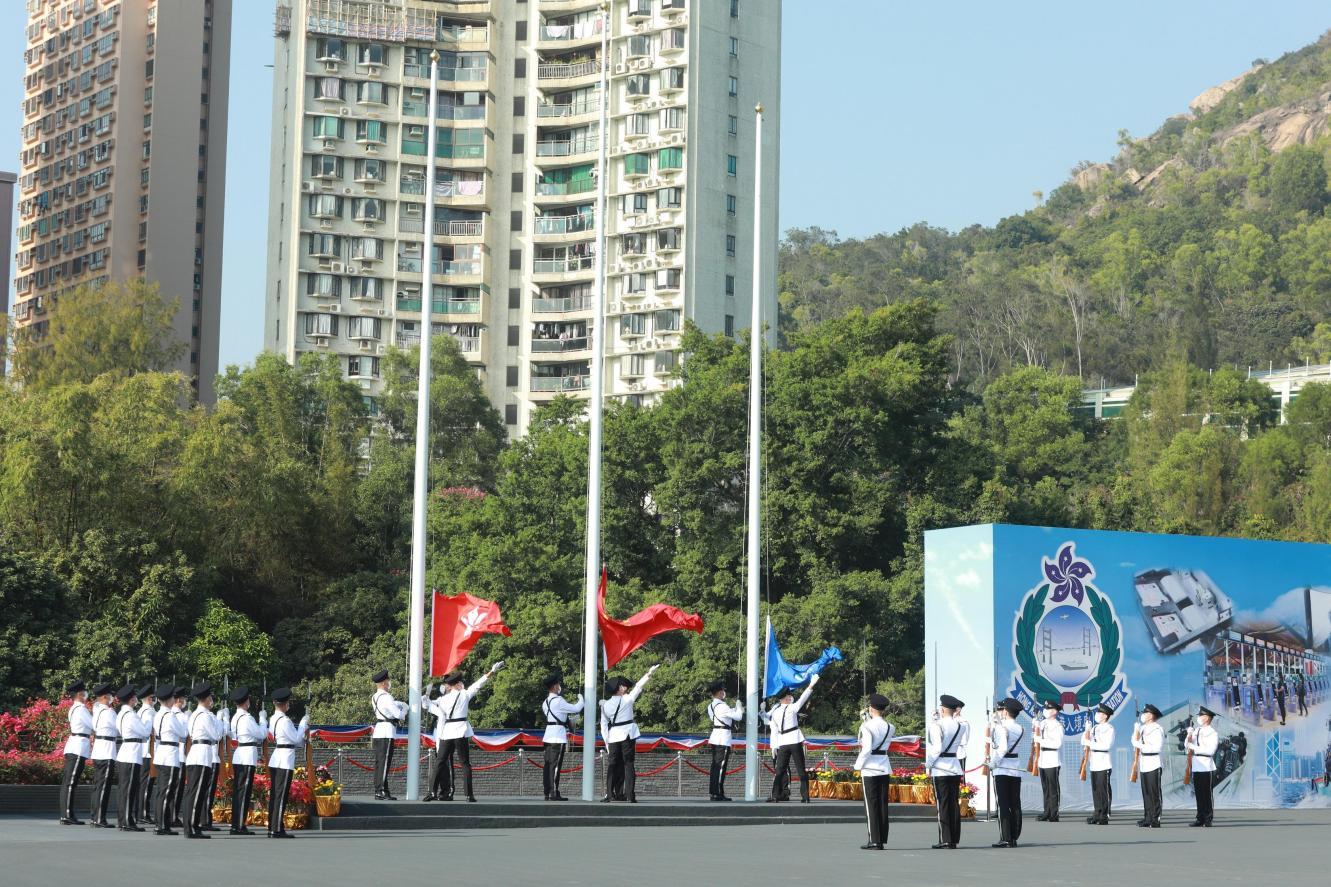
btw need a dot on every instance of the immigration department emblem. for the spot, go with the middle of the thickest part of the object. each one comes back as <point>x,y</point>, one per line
<point>1067,644</point>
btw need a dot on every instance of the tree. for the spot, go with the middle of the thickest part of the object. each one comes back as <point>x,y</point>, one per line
<point>121,328</point>
<point>1298,180</point>
<point>227,644</point>
<point>34,634</point>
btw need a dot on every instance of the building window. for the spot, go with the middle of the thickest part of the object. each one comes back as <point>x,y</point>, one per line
<point>329,88</point>
<point>633,203</point>
<point>371,92</point>
<point>730,285</point>
<point>734,8</point>
<point>730,245</point>
<point>669,198</point>
<point>731,204</point>
<point>640,84</point>
<point>670,158</point>
<point>734,47</point>
<point>666,321</point>
<point>633,325</point>
<point>732,165</point>
<point>328,127</point>
<point>730,326</point>
<point>734,125</point>
<point>673,79</point>
<point>371,54</point>
<point>637,125</point>
<point>734,86</point>
<point>330,49</point>
<point>636,165</point>
<point>372,131</point>
<point>320,324</point>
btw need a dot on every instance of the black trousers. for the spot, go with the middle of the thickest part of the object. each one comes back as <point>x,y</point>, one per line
<point>875,807</point>
<point>623,776</point>
<point>1152,796</point>
<point>1052,790</point>
<point>1007,789</point>
<point>242,784</point>
<point>1102,795</point>
<point>128,777</point>
<point>436,787</point>
<point>1303,704</point>
<point>1280,701</point>
<point>168,790</point>
<point>716,780</point>
<point>553,761</point>
<point>69,783</point>
<point>383,762</point>
<point>786,757</point>
<point>277,799</point>
<point>101,788</point>
<point>178,794</point>
<point>947,793</point>
<point>146,810</point>
<point>448,749</point>
<point>1202,781</point>
<point>196,816</point>
<point>213,773</point>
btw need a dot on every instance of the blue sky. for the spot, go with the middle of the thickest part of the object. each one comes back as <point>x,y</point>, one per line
<point>892,113</point>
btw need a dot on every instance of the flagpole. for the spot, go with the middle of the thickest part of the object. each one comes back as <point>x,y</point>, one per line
<point>754,561</point>
<point>422,478</point>
<point>592,577</point>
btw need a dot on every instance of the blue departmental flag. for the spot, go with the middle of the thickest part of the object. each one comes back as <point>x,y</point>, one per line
<point>780,673</point>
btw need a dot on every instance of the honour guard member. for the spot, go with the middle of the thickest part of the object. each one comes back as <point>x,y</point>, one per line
<point>147,776</point>
<point>945,762</point>
<point>429,697</point>
<point>249,735</point>
<point>558,713</point>
<point>725,719</point>
<point>1005,764</point>
<point>1050,737</point>
<point>287,738</point>
<point>787,741</point>
<point>129,758</point>
<point>78,748</point>
<point>1148,738</point>
<point>1203,741</point>
<point>1100,740</point>
<point>104,738</point>
<point>168,740</point>
<point>455,730</point>
<point>388,712</point>
<point>620,733</point>
<point>204,733</point>
<point>875,769</point>
<point>182,729</point>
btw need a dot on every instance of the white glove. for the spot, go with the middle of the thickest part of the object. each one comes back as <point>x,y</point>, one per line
<point>653,669</point>
<point>498,665</point>
<point>304,721</point>
<point>223,714</point>
<point>263,717</point>
<point>429,690</point>
<point>813,680</point>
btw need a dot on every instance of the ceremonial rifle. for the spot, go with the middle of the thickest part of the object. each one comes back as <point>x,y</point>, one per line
<point>1136,737</point>
<point>1086,753</point>
<point>1187,768</point>
<point>152,737</point>
<point>309,747</point>
<point>1033,766</point>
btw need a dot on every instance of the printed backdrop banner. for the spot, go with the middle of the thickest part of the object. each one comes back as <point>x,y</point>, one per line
<point>1088,617</point>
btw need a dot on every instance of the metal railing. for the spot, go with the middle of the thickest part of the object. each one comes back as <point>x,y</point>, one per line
<point>546,345</point>
<point>565,71</point>
<point>566,147</point>
<point>572,109</point>
<point>564,266</point>
<point>555,306</point>
<point>578,31</point>
<point>414,266</point>
<point>560,383</point>
<point>464,34</point>
<point>452,75</point>
<point>458,228</point>
<point>441,306</point>
<point>565,224</point>
<point>554,189</point>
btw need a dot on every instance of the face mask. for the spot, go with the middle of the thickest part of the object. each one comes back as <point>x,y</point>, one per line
<point>1144,719</point>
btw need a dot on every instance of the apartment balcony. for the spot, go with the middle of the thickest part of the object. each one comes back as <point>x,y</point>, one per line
<point>562,305</point>
<point>469,272</point>
<point>561,269</point>
<point>441,307</point>
<point>560,152</point>
<point>561,192</point>
<point>567,6</point>
<point>463,38</point>
<point>585,111</point>
<point>557,227</point>
<point>553,35</point>
<point>456,229</point>
<point>568,75</point>
<point>566,384</point>
<point>561,346</point>
<point>470,346</point>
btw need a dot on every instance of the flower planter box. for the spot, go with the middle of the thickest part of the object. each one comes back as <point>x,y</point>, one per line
<point>328,805</point>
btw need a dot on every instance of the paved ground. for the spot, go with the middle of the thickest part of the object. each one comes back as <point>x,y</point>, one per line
<point>1269,847</point>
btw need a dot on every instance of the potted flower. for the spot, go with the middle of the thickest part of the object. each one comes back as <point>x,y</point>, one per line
<point>967,792</point>
<point>328,794</point>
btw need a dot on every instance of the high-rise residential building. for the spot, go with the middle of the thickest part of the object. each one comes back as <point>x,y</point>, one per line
<point>7,182</point>
<point>123,164</point>
<point>512,250</point>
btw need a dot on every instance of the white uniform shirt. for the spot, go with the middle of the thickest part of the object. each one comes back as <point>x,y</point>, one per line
<point>1150,741</point>
<point>249,735</point>
<point>80,731</point>
<point>724,720</point>
<point>945,747</point>
<point>1203,742</point>
<point>105,733</point>
<point>147,715</point>
<point>288,737</point>
<point>1100,740</point>
<point>1004,742</point>
<point>875,736</point>
<point>386,710</point>
<point>204,732</point>
<point>169,728</point>
<point>784,721</point>
<point>133,736</point>
<point>557,711</point>
<point>1051,740</point>
<point>618,711</point>
<point>453,708</point>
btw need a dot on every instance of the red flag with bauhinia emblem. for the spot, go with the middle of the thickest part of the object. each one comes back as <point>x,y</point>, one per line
<point>455,625</point>
<point>622,638</point>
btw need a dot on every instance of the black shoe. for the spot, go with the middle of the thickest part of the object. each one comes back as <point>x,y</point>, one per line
<point>1042,818</point>
<point>164,831</point>
<point>1091,820</point>
<point>388,797</point>
<point>943,846</point>
<point>283,834</point>
<point>471,799</point>
<point>804,800</point>
<point>1155,825</point>
<point>558,798</point>
<point>1141,823</point>
<point>132,828</point>
<point>724,798</point>
<point>199,836</point>
<point>774,800</point>
<point>1195,824</point>
<point>871,846</point>
<point>1053,819</point>
<point>429,797</point>
<point>1000,844</point>
<point>633,800</point>
<point>606,799</point>
<point>149,820</point>
<point>378,797</point>
<point>1206,825</point>
<point>101,825</point>
<point>64,821</point>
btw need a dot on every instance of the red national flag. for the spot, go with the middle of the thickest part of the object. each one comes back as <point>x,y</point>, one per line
<point>622,638</point>
<point>455,624</point>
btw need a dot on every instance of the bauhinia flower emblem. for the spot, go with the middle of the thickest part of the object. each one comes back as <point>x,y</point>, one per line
<point>1068,574</point>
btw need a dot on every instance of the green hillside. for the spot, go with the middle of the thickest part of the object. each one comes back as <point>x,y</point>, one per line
<point>1206,240</point>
